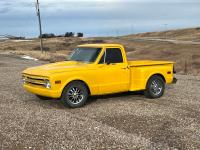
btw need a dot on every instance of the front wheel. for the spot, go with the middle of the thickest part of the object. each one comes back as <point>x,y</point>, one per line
<point>75,94</point>
<point>155,87</point>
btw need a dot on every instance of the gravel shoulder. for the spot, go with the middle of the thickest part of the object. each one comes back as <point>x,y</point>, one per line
<point>120,121</point>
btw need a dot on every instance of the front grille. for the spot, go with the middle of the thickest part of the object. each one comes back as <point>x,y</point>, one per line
<point>34,80</point>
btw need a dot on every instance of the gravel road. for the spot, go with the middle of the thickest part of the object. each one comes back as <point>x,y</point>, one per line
<point>121,121</point>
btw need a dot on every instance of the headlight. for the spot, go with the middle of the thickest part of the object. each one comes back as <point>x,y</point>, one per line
<point>23,80</point>
<point>47,84</point>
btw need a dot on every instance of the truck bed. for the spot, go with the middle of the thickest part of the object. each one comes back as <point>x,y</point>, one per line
<point>147,63</point>
<point>142,70</point>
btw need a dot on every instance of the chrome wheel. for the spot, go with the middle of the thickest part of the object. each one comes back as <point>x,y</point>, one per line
<point>156,87</point>
<point>75,95</point>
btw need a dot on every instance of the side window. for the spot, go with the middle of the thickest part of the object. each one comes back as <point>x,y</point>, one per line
<point>114,55</point>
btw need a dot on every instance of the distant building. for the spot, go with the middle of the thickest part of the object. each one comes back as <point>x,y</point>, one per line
<point>4,37</point>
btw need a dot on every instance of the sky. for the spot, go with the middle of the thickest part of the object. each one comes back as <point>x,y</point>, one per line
<point>97,17</point>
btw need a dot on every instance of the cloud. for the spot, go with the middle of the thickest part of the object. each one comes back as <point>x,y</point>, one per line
<point>4,10</point>
<point>97,15</point>
<point>51,5</point>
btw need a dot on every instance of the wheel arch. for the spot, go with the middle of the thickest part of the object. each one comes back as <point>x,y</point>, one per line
<point>78,80</point>
<point>156,74</point>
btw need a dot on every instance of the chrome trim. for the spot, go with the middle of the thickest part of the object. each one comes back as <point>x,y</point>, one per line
<point>75,95</point>
<point>156,87</point>
<point>34,80</point>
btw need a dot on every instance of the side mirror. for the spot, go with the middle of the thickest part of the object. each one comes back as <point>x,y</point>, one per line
<point>108,63</point>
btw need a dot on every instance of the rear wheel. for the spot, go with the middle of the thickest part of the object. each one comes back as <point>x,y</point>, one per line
<point>75,94</point>
<point>155,87</point>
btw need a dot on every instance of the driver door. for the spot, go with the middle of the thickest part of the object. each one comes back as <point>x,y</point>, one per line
<point>113,72</point>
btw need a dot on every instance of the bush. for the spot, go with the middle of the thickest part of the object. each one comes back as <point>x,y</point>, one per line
<point>80,34</point>
<point>60,36</point>
<point>48,35</point>
<point>69,34</point>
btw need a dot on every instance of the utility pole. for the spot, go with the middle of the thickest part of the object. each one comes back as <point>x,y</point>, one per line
<point>40,24</point>
<point>166,30</point>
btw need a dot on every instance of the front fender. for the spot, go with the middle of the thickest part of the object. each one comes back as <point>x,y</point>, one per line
<point>94,89</point>
<point>71,79</point>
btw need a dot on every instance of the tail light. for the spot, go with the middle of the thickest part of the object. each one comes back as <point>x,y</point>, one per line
<point>174,71</point>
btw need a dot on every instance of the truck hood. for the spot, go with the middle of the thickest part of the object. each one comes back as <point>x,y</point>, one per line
<point>46,70</point>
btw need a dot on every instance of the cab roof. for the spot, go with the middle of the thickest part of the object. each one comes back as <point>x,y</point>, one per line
<point>100,45</point>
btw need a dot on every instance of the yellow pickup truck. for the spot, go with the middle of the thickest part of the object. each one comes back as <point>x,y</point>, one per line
<point>97,69</point>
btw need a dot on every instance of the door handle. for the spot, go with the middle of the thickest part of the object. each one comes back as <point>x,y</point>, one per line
<point>125,68</point>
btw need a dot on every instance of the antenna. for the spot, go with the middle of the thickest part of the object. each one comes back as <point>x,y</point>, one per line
<point>40,24</point>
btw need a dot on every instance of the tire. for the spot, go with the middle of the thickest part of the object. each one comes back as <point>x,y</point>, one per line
<point>155,87</point>
<point>43,97</point>
<point>75,94</point>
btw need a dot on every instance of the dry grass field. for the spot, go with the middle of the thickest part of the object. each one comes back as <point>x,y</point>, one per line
<point>181,46</point>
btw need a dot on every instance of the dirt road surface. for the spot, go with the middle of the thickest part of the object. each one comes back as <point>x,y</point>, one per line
<point>122,121</point>
<point>166,40</point>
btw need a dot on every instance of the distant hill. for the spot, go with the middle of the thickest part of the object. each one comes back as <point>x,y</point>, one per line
<point>191,34</point>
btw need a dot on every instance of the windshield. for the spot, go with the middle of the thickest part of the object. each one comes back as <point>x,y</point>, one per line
<point>85,54</point>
